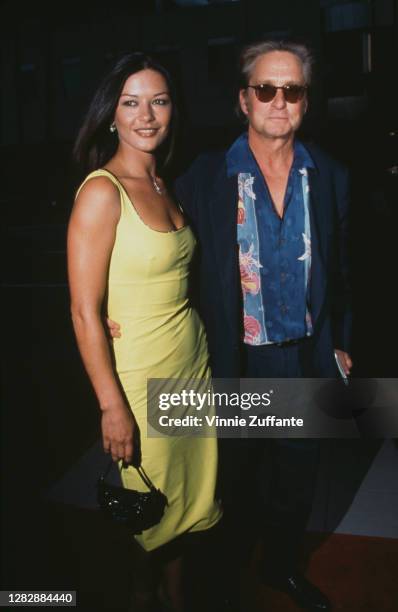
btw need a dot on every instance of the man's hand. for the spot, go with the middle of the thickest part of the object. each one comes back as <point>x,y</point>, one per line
<point>114,328</point>
<point>344,360</point>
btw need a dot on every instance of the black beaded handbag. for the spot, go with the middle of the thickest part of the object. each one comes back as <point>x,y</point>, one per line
<point>135,509</point>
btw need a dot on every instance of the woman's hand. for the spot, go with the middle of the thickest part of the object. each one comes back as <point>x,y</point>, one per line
<point>118,429</point>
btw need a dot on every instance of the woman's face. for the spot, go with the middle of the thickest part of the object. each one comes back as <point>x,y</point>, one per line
<point>143,111</point>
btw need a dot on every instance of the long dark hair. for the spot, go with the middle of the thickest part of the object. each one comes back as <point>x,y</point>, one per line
<point>95,144</point>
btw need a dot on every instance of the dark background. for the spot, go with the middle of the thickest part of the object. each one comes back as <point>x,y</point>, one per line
<point>51,62</point>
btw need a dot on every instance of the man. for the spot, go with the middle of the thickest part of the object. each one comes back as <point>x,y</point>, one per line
<point>270,215</point>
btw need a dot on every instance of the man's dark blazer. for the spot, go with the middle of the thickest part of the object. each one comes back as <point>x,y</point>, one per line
<point>209,197</point>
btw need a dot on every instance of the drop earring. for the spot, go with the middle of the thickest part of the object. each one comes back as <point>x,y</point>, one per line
<point>112,127</point>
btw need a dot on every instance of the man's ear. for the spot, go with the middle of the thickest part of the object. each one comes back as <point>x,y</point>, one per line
<point>243,101</point>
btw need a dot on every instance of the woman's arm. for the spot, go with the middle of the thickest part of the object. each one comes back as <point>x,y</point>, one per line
<point>91,236</point>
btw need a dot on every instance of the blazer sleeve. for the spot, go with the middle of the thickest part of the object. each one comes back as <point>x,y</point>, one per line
<point>187,192</point>
<point>185,188</point>
<point>342,302</point>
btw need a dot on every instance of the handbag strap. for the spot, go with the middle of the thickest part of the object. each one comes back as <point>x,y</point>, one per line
<point>144,476</point>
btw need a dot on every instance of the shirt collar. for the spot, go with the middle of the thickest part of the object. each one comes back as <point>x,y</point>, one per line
<point>302,157</point>
<point>239,157</point>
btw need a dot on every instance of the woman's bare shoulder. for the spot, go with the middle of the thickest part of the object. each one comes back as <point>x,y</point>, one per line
<point>98,196</point>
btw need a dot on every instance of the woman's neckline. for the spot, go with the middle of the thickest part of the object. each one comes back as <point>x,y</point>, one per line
<point>152,229</point>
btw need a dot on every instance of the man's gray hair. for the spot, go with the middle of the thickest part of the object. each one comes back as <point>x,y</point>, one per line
<point>250,55</point>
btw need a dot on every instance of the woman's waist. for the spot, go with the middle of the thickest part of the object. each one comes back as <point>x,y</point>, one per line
<point>157,341</point>
<point>143,307</point>
<point>160,323</point>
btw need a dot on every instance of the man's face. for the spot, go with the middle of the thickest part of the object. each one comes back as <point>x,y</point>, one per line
<point>276,118</point>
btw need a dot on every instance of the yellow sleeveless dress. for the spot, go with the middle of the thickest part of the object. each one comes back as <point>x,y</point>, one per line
<point>161,337</point>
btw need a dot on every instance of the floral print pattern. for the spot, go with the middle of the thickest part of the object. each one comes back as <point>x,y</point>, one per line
<point>249,262</point>
<point>250,279</point>
<point>245,186</point>
<point>241,212</point>
<point>307,248</point>
<point>252,329</point>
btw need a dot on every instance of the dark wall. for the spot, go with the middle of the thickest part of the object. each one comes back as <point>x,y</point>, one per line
<point>52,60</point>
<point>51,64</point>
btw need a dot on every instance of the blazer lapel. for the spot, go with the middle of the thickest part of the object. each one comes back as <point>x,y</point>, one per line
<point>223,213</point>
<point>318,246</point>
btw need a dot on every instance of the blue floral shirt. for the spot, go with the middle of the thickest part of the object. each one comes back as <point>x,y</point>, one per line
<point>274,253</point>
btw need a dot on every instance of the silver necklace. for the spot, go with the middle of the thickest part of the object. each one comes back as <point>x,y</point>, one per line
<point>157,187</point>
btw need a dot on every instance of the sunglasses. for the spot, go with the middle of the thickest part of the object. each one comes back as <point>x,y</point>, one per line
<point>266,92</point>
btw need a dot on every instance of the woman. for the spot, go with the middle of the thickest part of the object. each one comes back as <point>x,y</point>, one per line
<point>129,250</point>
